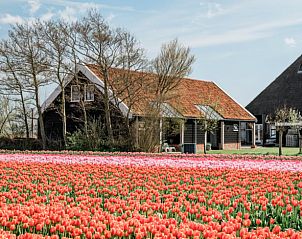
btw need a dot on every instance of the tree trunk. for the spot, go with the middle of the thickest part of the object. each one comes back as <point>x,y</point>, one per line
<point>280,142</point>
<point>42,130</point>
<point>160,134</point>
<point>136,132</point>
<point>64,115</point>
<point>132,142</point>
<point>4,121</point>
<point>22,101</point>
<point>85,122</point>
<point>107,109</point>
<point>24,113</point>
<point>85,118</point>
<point>300,146</point>
<point>41,122</point>
<point>205,142</point>
<point>128,125</point>
<point>38,106</point>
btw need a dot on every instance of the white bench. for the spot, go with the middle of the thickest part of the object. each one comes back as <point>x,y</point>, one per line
<point>166,148</point>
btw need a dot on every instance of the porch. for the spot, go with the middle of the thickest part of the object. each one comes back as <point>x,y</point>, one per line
<point>187,136</point>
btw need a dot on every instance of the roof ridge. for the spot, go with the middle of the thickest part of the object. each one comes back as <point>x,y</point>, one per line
<point>151,73</point>
<point>235,101</point>
<point>279,77</point>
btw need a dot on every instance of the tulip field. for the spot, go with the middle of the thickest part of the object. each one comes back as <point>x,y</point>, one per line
<point>149,196</point>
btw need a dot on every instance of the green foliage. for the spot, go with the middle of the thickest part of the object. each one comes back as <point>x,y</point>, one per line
<point>92,140</point>
<point>289,151</point>
<point>284,114</point>
<point>95,139</point>
<point>20,144</point>
<point>171,126</point>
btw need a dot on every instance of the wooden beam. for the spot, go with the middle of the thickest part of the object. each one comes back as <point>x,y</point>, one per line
<point>160,133</point>
<point>137,131</point>
<point>222,135</point>
<point>239,135</point>
<point>195,132</point>
<point>254,135</point>
<point>182,132</point>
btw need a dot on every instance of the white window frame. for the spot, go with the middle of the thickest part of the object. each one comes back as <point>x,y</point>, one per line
<point>300,69</point>
<point>273,131</point>
<point>209,112</point>
<point>85,92</point>
<point>72,96</point>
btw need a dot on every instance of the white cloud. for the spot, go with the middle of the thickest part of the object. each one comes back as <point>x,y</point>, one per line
<point>278,24</point>
<point>214,9</point>
<point>234,36</point>
<point>68,14</point>
<point>47,16</point>
<point>243,33</point>
<point>212,24</point>
<point>10,19</point>
<point>110,17</point>
<point>72,12</point>
<point>34,6</point>
<point>289,41</point>
<point>87,5</point>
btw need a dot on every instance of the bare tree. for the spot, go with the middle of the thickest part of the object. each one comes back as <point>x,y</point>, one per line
<point>56,49</point>
<point>173,63</point>
<point>32,63</point>
<point>11,82</point>
<point>72,38</point>
<point>131,77</point>
<point>109,48</point>
<point>6,116</point>
<point>99,44</point>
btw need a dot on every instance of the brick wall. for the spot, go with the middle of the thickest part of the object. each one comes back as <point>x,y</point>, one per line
<point>232,146</point>
<point>199,148</point>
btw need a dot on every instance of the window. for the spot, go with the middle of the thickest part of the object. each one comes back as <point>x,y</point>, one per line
<point>166,110</point>
<point>75,93</point>
<point>273,131</point>
<point>300,69</point>
<point>89,92</point>
<point>208,112</point>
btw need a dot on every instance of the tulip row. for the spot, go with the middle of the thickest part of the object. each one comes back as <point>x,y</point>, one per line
<point>193,161</point>
<point>57,196</point>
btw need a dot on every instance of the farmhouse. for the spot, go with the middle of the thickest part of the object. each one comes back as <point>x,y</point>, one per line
<point>190,100</point>
<point>285,90</point>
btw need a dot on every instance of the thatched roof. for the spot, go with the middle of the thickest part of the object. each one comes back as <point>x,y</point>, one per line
<point>285,90</point>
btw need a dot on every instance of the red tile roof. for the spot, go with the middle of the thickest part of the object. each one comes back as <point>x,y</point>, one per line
<point>190,92</point>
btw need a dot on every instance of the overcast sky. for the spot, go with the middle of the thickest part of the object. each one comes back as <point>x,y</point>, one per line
<point>242,45</point>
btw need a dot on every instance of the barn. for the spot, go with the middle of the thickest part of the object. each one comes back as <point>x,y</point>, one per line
<point>285,90</point>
